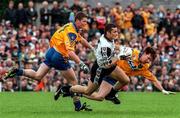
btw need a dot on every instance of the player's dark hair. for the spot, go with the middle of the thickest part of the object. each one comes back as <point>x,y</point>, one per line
<point>108,28</point>
<point>80,16</point>
<point>150,50</point>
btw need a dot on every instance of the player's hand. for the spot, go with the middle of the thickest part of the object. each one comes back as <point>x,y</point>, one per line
<point>168,92</point>
<point>84,67</point>
<point>123,57</point>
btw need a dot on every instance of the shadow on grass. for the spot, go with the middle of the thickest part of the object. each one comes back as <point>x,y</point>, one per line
<point>92,113</point>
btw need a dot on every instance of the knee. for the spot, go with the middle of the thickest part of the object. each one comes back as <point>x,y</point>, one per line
<point>87,92</point>
<point>72,89</point>
<point>126,81</point>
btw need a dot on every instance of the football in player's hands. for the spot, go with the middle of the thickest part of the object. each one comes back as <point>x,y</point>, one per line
<point>125,53</point>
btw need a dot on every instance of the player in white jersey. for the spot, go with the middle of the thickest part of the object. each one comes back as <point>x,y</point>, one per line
<point>105,65</point>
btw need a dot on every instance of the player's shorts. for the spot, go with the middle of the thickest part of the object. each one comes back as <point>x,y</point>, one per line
<point>56,60</point>
<point>110,80</point>
<point>104,72</point>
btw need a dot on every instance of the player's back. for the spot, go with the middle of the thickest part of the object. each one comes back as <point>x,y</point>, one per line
<point>64,39</point>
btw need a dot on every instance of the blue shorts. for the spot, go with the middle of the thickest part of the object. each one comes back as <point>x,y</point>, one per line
<point>110,80</point>
<point>56,60</point>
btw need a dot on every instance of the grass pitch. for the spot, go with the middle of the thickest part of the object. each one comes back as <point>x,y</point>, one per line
<point>134,105</point>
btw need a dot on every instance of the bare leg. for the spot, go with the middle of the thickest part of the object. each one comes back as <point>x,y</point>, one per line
<point>71,78</point>
<point>104,89</point>
<point>91,88</point>
<point>121,77</point>
<point>78,89</point>
<point>84,89</point>
<point>37,75</point>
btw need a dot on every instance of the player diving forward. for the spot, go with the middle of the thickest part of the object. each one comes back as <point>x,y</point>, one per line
<point>61,50</point>
<point>134,63</point>
<point>138,65</point>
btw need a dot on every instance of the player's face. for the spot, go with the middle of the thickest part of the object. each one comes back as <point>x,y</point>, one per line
<point>146,58</point>
<point>114,33</point>
<point>81,24</point>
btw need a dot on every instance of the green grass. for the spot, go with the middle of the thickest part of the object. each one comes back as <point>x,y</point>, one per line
<point>134,105</point>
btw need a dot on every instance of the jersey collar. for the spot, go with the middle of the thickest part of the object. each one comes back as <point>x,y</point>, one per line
<point>107,38</point>
<point>75,27</point>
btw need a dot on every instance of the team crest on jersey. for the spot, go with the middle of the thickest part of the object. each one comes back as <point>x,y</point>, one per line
<point>104,51</point>
<point>72,36</point>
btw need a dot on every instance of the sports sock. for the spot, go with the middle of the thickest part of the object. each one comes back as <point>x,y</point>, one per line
<point>20,72</point>
<point>112,92</point>
<point>77,104</point>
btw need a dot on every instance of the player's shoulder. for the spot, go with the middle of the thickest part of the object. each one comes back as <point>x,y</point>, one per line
<point>136,51</point>
<point>72,28</point>
<point>69,27</point>
<point>135,54</point>
<point>104,42</point>
<point>146,66</point>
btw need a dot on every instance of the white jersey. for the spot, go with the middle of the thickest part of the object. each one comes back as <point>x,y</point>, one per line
<point>104,51</point>
<point>125,51</point>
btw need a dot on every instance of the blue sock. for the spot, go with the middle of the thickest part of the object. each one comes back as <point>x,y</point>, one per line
<point>20,72</point>
<point>77,104</point>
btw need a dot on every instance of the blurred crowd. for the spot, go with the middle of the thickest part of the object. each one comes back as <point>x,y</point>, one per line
<point>23,43</point>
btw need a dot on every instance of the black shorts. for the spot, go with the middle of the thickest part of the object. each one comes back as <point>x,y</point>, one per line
<point>104,72</point>
<point>109,80</point>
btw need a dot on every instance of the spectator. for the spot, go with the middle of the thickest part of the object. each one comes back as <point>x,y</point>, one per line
<point>44,13</point>
<point>128,17</point>
<point>55,13</point>
<point>137,22</point>
<point>31,13</point>
<point>150,30</point>
<point>10,13</point>
<point>65,14</point>
<point>101,20</point>
<point>21,15</point>
<point>76,6</point>
<point>93,30</point>
<point>118,15</point>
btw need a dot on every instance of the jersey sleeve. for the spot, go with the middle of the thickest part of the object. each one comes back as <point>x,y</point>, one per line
<point>149,75</point>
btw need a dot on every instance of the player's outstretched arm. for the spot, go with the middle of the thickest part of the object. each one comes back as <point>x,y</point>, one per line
<point>85,43</point>
<point>150,76</point>
<point>159,86</point>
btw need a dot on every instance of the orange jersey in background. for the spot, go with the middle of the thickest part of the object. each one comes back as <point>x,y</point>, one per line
<point>65,39</point>
<point>128,16</point>
<point>150,29</point>
<point>145,16</point>
<point>142,70</point>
